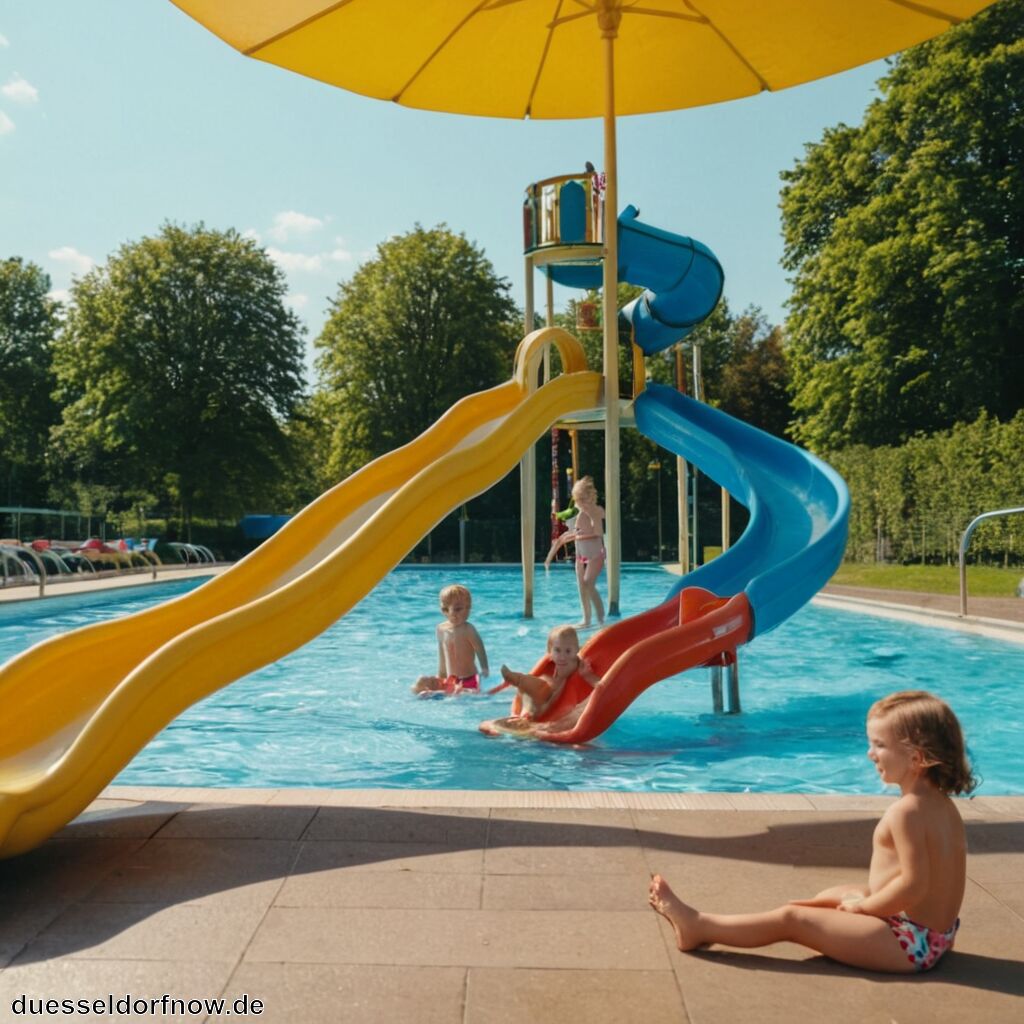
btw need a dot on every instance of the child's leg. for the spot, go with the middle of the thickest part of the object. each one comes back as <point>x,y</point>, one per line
<point>854,939</point>
<point>533,687</point>
<point>593,570</point>
<point>581,572</point>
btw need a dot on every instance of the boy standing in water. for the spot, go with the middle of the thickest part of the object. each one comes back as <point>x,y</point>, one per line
<point>459,648</point>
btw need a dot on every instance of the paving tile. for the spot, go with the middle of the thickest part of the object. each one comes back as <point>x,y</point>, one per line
<point>140,793</point>
<point>120,819</point>
<point>354,994</point>
<point>452,938</point>
<point>414,890</point>
<point>238,821</point>
<point>96,979</point>
<point>780,983</point>
<point>995,867</point>
<point>182,871</point>
<point>770,801</point>
<point>320,856</point>
<point>987,927</point>
<point>563,860</point>
<point>1009,894</point>
<point>245,796</point>
<point>20,923</point>
<point>507,996</point>
<point>141,931</point>
<point>995,836</point>
<point>62,872</point>
<point>565,892</point>
<point>460,828</point>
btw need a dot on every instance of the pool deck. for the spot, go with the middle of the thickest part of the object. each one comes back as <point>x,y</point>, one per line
<point>487,907</point>
<point>480,908</point>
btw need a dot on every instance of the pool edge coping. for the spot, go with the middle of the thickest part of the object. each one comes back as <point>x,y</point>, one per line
<point>606,800</point>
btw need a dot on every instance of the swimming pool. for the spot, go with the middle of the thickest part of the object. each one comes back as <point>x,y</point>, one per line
<point>338,713</point>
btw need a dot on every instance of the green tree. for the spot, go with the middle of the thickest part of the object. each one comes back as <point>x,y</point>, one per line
<point>178,368</point>
<point>28,325</point>
<point>906,239</point>
<point>424,323</point>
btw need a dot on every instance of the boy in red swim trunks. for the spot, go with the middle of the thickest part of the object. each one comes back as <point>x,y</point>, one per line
<point>459,648</point>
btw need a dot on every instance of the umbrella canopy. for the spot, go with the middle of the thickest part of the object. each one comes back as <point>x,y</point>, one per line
<point>543,59</point>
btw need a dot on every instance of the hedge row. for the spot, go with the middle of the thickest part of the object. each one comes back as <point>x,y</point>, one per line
<point>912,503</point>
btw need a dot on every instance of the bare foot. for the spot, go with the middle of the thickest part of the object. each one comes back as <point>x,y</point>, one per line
<point>681,916</point>
<point>508,675</point>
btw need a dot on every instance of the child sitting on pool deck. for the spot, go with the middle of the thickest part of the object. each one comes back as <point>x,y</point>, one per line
<point>905,918</point>
<point>459,647</point>
<point>539,693</point>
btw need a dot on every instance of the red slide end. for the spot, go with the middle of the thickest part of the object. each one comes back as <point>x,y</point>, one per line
<point>691,629</point>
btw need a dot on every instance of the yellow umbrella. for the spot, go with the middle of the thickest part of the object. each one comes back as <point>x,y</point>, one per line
<point>572,59</point>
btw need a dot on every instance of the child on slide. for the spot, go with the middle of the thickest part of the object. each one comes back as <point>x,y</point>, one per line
<point>459,648</point>
<point>905,919</point>
<point>539,693</point>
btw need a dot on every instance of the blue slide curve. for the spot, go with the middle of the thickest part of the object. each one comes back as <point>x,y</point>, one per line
<point>799,506</point>
<point>683,280</point>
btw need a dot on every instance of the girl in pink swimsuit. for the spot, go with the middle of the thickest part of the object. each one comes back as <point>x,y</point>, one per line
<point>587,533</point>
<point>906,917</point>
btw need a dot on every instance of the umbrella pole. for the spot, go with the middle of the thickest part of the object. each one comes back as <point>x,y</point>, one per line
<point>609,27</point>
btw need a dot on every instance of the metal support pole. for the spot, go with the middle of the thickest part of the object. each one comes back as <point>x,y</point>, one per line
<point>717,704</point>
<point>732,700</point>
<point>682,484</point>
<point>698,394</point>
<point>527,474</point>
<point>608,16</point>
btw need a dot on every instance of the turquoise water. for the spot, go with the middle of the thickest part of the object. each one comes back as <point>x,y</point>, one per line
<point>338,713</point>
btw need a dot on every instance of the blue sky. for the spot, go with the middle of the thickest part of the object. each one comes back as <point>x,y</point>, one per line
<point>117,115</point>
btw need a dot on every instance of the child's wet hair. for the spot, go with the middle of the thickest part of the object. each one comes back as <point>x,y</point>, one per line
<point>563,631</point>
<point>454,592</point>
<point>926,723</point>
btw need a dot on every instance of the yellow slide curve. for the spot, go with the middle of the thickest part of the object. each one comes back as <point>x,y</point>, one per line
<point>78,707</point>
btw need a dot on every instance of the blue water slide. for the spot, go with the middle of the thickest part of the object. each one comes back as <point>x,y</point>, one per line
<point>683,279</point>
<point>799,506</point>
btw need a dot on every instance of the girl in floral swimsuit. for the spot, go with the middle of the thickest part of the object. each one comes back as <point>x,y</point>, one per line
<point>590,553</point>
<point>905,918</point>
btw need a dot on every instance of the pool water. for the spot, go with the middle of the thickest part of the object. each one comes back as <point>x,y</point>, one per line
<point>338,713</point>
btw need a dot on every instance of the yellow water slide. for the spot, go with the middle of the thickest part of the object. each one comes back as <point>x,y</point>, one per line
<point>77,707</point>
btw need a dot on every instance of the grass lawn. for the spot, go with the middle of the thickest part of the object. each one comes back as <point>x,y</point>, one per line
<point>982,580</point>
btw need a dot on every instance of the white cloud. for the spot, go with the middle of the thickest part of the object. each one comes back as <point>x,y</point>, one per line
<point>290,222</point>
<point>298,301</point>
<point>6,124</point>
<point>59,294</point>
<point>3,40</point>
<point>296,261</point>
<point>77,261</point>
<point>20,90</point>
<point>253,234</point>
<point>341,255</point>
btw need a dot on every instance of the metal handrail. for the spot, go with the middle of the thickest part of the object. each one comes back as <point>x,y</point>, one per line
<point>966,539</point>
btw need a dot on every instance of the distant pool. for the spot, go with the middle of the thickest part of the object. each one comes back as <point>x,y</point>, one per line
<point>338,713</point>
